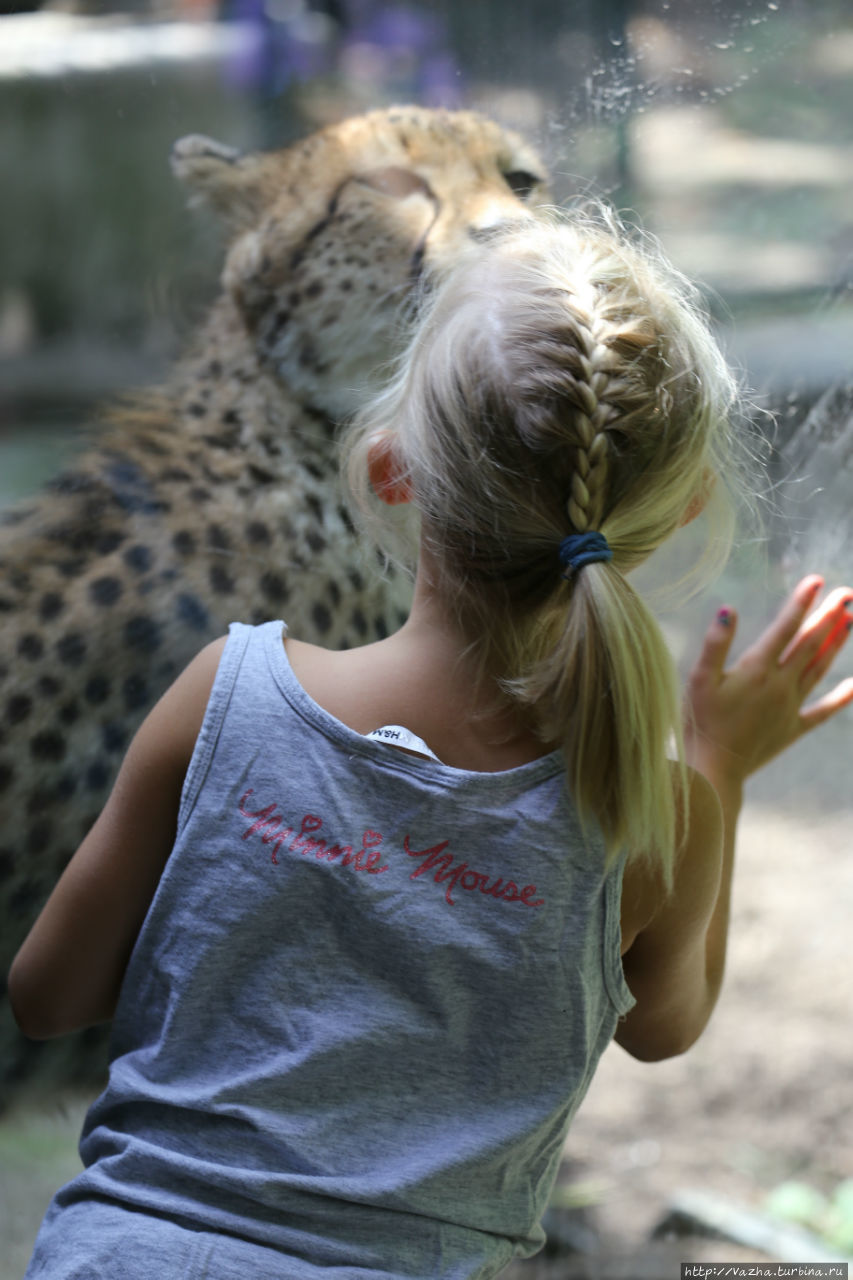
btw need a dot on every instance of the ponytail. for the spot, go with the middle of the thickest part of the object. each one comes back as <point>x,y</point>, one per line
<point>599,681</point>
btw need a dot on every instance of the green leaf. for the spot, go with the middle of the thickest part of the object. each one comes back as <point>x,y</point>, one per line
<point>796,1202</point>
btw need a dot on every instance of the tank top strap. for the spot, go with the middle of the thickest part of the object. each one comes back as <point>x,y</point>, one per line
<point>245,644</point>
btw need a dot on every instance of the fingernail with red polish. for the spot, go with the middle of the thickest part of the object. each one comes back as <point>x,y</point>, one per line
<point>724,617</point>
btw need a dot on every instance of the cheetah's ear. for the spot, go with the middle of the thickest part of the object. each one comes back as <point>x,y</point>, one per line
<point>236,186</point>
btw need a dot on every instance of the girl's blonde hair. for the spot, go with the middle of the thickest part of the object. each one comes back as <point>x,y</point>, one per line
<point>564,379</point>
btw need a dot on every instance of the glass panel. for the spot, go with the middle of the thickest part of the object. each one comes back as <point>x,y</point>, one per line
<point>721,126</point>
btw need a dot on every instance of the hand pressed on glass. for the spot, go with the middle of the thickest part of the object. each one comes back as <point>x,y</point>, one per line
<point>737,719</point>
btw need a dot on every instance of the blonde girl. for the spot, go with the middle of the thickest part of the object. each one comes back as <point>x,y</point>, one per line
<point>365,921</point>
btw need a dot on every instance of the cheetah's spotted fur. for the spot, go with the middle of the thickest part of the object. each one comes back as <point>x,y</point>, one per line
<point>216,497</point>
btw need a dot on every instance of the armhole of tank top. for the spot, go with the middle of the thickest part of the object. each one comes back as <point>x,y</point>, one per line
<point>217,705</point>
<point>614,976</point>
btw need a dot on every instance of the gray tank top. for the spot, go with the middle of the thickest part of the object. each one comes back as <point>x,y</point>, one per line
<point>364,1006</point>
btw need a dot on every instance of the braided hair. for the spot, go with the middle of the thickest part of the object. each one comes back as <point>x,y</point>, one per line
<point>564,381</point>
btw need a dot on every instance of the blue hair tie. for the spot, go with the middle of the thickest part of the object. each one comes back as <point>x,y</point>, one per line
<point>580,549</point>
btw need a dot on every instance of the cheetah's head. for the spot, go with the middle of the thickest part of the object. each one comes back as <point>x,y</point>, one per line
<point>330,236</point>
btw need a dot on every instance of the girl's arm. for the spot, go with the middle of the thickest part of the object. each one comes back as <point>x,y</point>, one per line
<point>69,970</point>
<point>737,720</point>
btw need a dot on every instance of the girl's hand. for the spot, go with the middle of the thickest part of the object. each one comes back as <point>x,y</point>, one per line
<point>738,719</point>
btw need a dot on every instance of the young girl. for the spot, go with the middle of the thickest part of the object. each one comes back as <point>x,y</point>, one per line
<point>366,921</point>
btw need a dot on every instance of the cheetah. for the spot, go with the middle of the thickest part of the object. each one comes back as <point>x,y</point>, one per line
<point>216,496</point>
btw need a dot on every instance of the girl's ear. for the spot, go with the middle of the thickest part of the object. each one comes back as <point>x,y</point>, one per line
<point>699,501</point>
<point>383,468</point>
<point>694,508</point>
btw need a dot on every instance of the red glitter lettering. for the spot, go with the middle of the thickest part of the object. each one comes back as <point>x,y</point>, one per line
<point>366,858</point>
<point>463,877</point>
<point>267,824</point>
<point>267,821</point>
<point>265,817</point>
<point>305,842</point>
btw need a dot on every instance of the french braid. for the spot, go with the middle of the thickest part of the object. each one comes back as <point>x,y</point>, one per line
<point>588,485</point>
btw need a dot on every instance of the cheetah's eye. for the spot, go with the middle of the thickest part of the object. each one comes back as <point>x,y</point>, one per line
<point>521,182</point>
